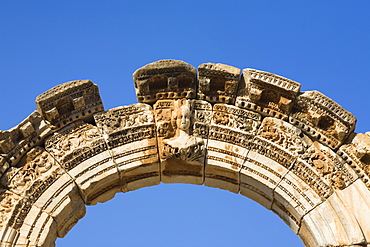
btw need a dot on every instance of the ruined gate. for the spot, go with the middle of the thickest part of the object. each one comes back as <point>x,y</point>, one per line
<point>249,132</point>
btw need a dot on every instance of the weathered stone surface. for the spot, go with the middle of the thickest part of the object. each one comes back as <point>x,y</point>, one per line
<point>329,166</point>
<point>14,143</point>
<point>230,132</point>
<point>218,83</point>
<point>165,79</point>
<point>182,127</point>
<point>82,151</point>
<point>357,155</point>
<point>331,224</point>
<point>322,119</point>
<point>130,133</point>
<point>69,102</point>
<point>266,93</point>
<point>294,153</point>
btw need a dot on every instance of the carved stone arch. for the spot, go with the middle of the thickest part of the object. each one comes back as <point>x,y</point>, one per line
<point>295,154</point>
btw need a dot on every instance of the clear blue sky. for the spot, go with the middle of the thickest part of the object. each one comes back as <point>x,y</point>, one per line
<point>324,45</point>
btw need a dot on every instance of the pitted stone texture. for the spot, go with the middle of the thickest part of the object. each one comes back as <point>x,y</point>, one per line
<point>40,182</point>
<point>165,79</point>
<point>81,150</point>
<point>357,155</point>
<point>130,133</point>
<point>294,153</point>
<point>272,153</point>
<point>331,224</point>
<point>266,93</point>
<point>218,83</point>
<point>69,102</point>
<point>329,166</point>
<point>322,119</point>
<point>14,143</point>
<point>182,130</point>
<point>231,130</point>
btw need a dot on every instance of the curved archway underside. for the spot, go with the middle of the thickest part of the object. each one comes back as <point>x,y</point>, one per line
<point>246,131</point>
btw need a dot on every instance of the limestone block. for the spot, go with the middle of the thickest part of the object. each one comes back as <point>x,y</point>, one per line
<point>182,130</point>
<point>331,224</point>
<point>272,153</point>
<point>14,143</point>
<point>357,155</point>
<point>266,93</point>
<point>8,236</point>
<point>329,166</point>
<point>322,119</point>
<point>39,229</point>
<point>356,199</point>
<point>230,132</point>
<point>69,102</point>
<point>130,133</point>
<point>62,201</point>
<point>299,191</point>
<point>218,83</point>
<point>83,153</point>
<point>165,79</point>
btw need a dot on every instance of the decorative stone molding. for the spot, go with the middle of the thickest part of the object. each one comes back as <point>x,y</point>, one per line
<point>246,131</point>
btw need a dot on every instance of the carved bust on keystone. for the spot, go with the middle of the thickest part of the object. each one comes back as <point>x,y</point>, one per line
<point>183,146</point>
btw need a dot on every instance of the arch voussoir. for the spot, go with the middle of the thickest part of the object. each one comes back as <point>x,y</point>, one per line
<point>245,131</point>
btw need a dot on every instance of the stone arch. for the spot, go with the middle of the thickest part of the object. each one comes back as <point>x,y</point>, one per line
<point>293,152</point>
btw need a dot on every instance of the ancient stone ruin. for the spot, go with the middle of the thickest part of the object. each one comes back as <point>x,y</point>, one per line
<point>245,131</point>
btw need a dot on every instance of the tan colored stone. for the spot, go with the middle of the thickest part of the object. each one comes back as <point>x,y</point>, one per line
<point>130,133</point>
<point>69,102</point>
<point>182,127</point>
<point>165,79</point>
<point>82,151</point>
<point>322,119</point>
<point>14,143</point>
<point>302,160</point>
<point>231,130</point>
<point>217,82</point>
<point>266,93</point>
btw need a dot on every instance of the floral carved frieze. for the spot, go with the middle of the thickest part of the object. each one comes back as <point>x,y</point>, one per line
<point>246,131</point>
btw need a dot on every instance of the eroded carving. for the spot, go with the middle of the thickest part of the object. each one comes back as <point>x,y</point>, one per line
<point>130,134</point>
<point>182,126</point>
<point>231,131</point>
<point>14,143</point>
<point>266,93</point>
<point>329,166</point>
<point>165,79</point>
<point>322,119</point>
<point>218,83</point>
<point>69,102</point>
<point>82,151</point>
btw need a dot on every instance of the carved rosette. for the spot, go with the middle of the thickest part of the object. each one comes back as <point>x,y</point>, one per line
<point>131,136</point>
<point>82,152</point>
<point>230,133</point>
<point>182,129</point>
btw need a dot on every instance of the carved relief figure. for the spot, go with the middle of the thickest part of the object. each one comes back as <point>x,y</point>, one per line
<point>182,145</point>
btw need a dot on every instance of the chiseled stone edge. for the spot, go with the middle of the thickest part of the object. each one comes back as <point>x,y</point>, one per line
<point>15,142</point>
